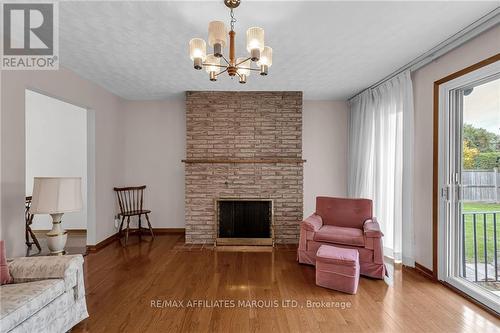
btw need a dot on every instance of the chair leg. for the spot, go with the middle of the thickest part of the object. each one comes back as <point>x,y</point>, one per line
<point>140,228</point>
<point>35,240</point>
<point>26,234</point>
<point>128,225</point>
<point>120,228</point>
<point>150,228</point>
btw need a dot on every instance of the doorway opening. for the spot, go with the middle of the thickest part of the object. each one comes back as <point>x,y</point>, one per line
<point>468,178</point>
<point>57,145</point>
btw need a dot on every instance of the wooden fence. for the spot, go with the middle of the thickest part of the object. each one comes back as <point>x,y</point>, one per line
<point>481,185</point>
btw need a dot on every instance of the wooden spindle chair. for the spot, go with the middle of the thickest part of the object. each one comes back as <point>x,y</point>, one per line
<point>28,219</point>
<point>130,200</point>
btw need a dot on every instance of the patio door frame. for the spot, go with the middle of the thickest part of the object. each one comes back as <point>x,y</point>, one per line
<point>447,177</point>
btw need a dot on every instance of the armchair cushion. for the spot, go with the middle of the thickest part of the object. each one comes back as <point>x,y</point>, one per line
<point>22,300</point>
<point>342,212</point>
<point>371,228</point>
<point>312,223</point>
<point>340,235</point>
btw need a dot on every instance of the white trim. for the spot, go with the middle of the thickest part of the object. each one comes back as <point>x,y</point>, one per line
<point>473,290</point>
<point>91,189</point>
<point>448,165</point>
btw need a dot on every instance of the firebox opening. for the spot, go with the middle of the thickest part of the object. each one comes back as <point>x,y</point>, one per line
<point>244,218</point>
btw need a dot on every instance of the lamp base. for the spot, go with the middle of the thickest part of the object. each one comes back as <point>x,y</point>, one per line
<point>57,236</point>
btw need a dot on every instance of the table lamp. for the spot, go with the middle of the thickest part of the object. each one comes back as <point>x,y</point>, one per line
<point>56,196</point>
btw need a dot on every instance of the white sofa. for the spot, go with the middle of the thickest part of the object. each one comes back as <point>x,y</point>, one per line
<point>47,295</point>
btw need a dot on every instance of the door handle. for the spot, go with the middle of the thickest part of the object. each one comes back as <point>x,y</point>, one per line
<point>445,193</point>
<point>460,193</point>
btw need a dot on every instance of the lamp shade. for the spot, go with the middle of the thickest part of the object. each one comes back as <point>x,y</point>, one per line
<point>244,67</point>
<point>266,57</point>
<point>197,49</point>
<point>217,33</point>
<point>52,195</point>
<point>255,39</point>
<point>210,62</point>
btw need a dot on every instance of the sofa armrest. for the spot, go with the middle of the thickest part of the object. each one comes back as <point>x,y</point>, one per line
<point>313,223</point>
<point>69,268</point>
<point>371,228</point>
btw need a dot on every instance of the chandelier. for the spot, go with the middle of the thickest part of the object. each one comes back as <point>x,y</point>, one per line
<point>217,39</point>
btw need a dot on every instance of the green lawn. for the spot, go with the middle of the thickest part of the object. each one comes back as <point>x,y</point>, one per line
<point>469,231</point>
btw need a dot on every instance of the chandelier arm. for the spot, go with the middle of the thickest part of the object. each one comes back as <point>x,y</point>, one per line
<point>225,70</point>
<point>242,61</point>
<point>227,62</point>
<point>214,65</point>
<point>249,68</point>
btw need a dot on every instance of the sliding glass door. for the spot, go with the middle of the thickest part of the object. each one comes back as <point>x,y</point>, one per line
<point>469,223</point>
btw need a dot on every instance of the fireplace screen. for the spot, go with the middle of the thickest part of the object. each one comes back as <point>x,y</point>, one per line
<point>244,218</point>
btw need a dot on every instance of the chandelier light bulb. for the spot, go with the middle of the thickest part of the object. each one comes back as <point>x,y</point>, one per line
<point>266,60</point>
<point>255,42</point>
<point>244,66</point>
<point>197,51</point>
<point>266,57</point>
<point>243,69</point>
<point>212,66</point>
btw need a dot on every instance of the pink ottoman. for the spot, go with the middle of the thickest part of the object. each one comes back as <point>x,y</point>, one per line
<point>337,268</point>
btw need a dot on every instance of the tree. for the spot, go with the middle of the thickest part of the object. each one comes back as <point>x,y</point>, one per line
<point>487,161</point>
<point>469,155</point>
<point>481,139</point>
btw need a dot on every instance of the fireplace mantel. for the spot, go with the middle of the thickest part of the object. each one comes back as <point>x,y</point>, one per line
<point>245,161</point>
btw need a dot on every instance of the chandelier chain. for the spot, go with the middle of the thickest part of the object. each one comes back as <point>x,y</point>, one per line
<point>233,20</point>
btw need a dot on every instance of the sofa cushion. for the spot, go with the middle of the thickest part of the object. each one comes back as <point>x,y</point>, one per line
<point>340,235</point>
<point>22,300</point>
<point>4,268</point>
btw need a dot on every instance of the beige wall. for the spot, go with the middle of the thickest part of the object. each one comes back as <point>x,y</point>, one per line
<point>324,144</point>
<point>109,133</point>
<point>154,145</point>
<point>479,48</point>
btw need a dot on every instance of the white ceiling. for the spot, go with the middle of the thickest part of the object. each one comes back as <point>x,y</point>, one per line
<point>328,50</point>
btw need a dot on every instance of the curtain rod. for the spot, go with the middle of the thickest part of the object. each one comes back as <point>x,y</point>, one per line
<point>472,30</point>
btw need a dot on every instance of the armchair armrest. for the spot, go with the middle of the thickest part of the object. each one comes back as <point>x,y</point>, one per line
<point>69,268</point>
<point>371,228</point>
<point>313,223</point>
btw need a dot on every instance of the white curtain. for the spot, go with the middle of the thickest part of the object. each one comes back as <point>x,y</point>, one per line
<point>380,161</point>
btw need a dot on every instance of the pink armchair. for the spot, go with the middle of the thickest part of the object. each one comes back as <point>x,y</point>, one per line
<point>345,223</point>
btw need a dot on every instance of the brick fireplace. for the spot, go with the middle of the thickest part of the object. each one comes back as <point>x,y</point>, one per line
<point>243,145</point>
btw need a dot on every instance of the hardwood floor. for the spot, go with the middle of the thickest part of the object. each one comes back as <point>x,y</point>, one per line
<point>122,283</point>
